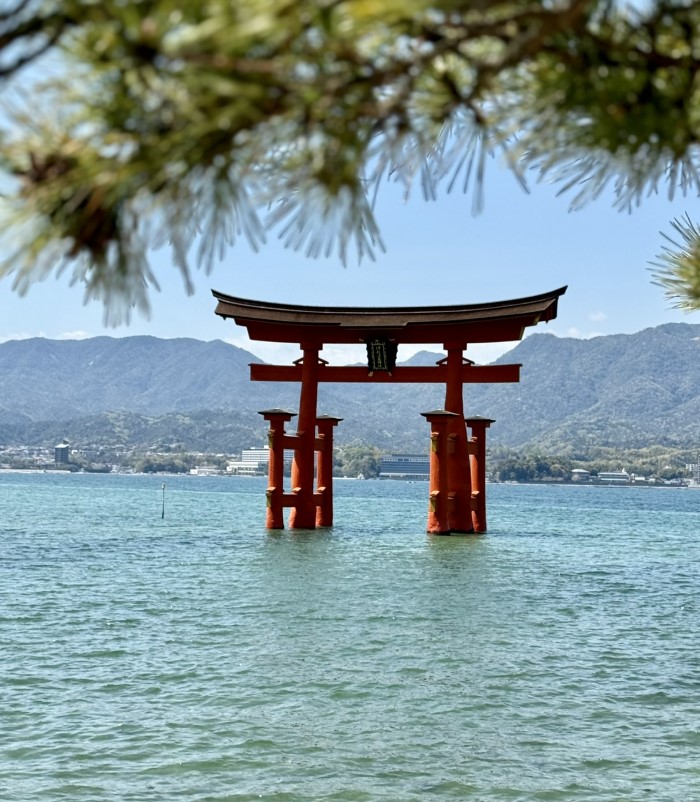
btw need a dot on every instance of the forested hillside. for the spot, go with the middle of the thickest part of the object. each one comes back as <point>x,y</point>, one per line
<point>629,391</point>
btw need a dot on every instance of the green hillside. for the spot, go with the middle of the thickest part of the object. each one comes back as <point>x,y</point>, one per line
<point>620,391</point>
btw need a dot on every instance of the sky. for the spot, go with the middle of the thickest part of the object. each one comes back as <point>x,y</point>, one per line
<point>437,252</point>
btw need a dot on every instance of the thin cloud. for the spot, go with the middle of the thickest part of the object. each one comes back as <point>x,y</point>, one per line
<point>582,335</point>
<point>74,335</point>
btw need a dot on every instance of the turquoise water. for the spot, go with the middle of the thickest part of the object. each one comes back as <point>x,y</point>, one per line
<point>199,657</point>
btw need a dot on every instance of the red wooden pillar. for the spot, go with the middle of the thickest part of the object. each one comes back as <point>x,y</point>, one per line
<point>275,467</point>
<point>478,426</point>
<point>303,514</point>
<point>324,491</point>
<point>438,505</point>
<point>459,473</point>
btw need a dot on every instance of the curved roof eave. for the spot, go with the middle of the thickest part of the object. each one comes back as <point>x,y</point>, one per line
<point>262,317</point>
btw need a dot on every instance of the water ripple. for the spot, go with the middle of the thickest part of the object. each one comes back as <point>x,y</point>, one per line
<point>200,659</point>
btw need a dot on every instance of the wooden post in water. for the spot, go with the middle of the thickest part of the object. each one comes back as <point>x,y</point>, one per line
<point>477,456</point>
<point>438,504</point>
<point>303,514</point>
<point>324,492</point>
<point>277,418</point>
<point>457,465</point>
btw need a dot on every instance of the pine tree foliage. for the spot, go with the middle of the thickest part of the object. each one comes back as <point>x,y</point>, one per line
<point>191,124</point>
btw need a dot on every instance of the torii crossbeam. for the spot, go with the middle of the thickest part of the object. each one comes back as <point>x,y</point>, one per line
<point>457,465</point>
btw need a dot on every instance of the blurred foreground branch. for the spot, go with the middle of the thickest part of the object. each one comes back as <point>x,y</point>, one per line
<point>195,123</point>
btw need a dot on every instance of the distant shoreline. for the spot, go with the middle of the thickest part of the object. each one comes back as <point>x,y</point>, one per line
<point>569,483</point>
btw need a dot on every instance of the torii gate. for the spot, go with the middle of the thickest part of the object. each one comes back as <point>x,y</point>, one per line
<point>457,462</point>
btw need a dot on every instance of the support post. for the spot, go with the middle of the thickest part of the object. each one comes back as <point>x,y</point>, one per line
<point>478,426</point>
<point>459,473</point>
<point>438,504</point>
<point>324,490</point>
<point>303,514</point>
<point>277,418</point>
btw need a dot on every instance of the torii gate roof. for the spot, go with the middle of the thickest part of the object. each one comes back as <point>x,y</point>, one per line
<point>499,321</point>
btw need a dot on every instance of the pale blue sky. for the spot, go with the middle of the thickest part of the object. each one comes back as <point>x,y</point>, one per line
<point>436,253</point>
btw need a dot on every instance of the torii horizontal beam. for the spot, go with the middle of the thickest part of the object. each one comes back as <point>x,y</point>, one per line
<point>407,374</point>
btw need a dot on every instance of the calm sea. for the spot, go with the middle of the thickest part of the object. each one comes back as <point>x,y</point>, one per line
<point>198,657</point>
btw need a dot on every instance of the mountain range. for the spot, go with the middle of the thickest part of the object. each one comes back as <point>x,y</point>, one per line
<point>623,390</point>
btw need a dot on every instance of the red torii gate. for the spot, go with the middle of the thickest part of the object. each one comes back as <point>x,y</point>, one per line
<point>457,462</point>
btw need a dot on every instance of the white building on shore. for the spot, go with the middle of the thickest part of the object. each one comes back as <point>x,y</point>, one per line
<point>254,462</point>
<point>405,466</point>
<point>613,477</point>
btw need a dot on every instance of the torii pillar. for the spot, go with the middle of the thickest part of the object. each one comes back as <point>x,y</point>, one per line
<point>324,490</point>
<point>322,445</point>
<point>457,462</point>
<point>477,458</point>
<point>277,440</point>
<point>303,514</point>
<point>441,499</point>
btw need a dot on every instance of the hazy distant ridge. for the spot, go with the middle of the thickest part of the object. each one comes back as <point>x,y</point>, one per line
<point>623,390</point>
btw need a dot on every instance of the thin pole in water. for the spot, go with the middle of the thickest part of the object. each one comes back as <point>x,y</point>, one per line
<point>162,515</point>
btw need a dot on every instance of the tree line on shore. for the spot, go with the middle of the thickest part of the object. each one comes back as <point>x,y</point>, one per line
<point>507,464</point>
<point>359,459</point>
<point>532,466</point>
